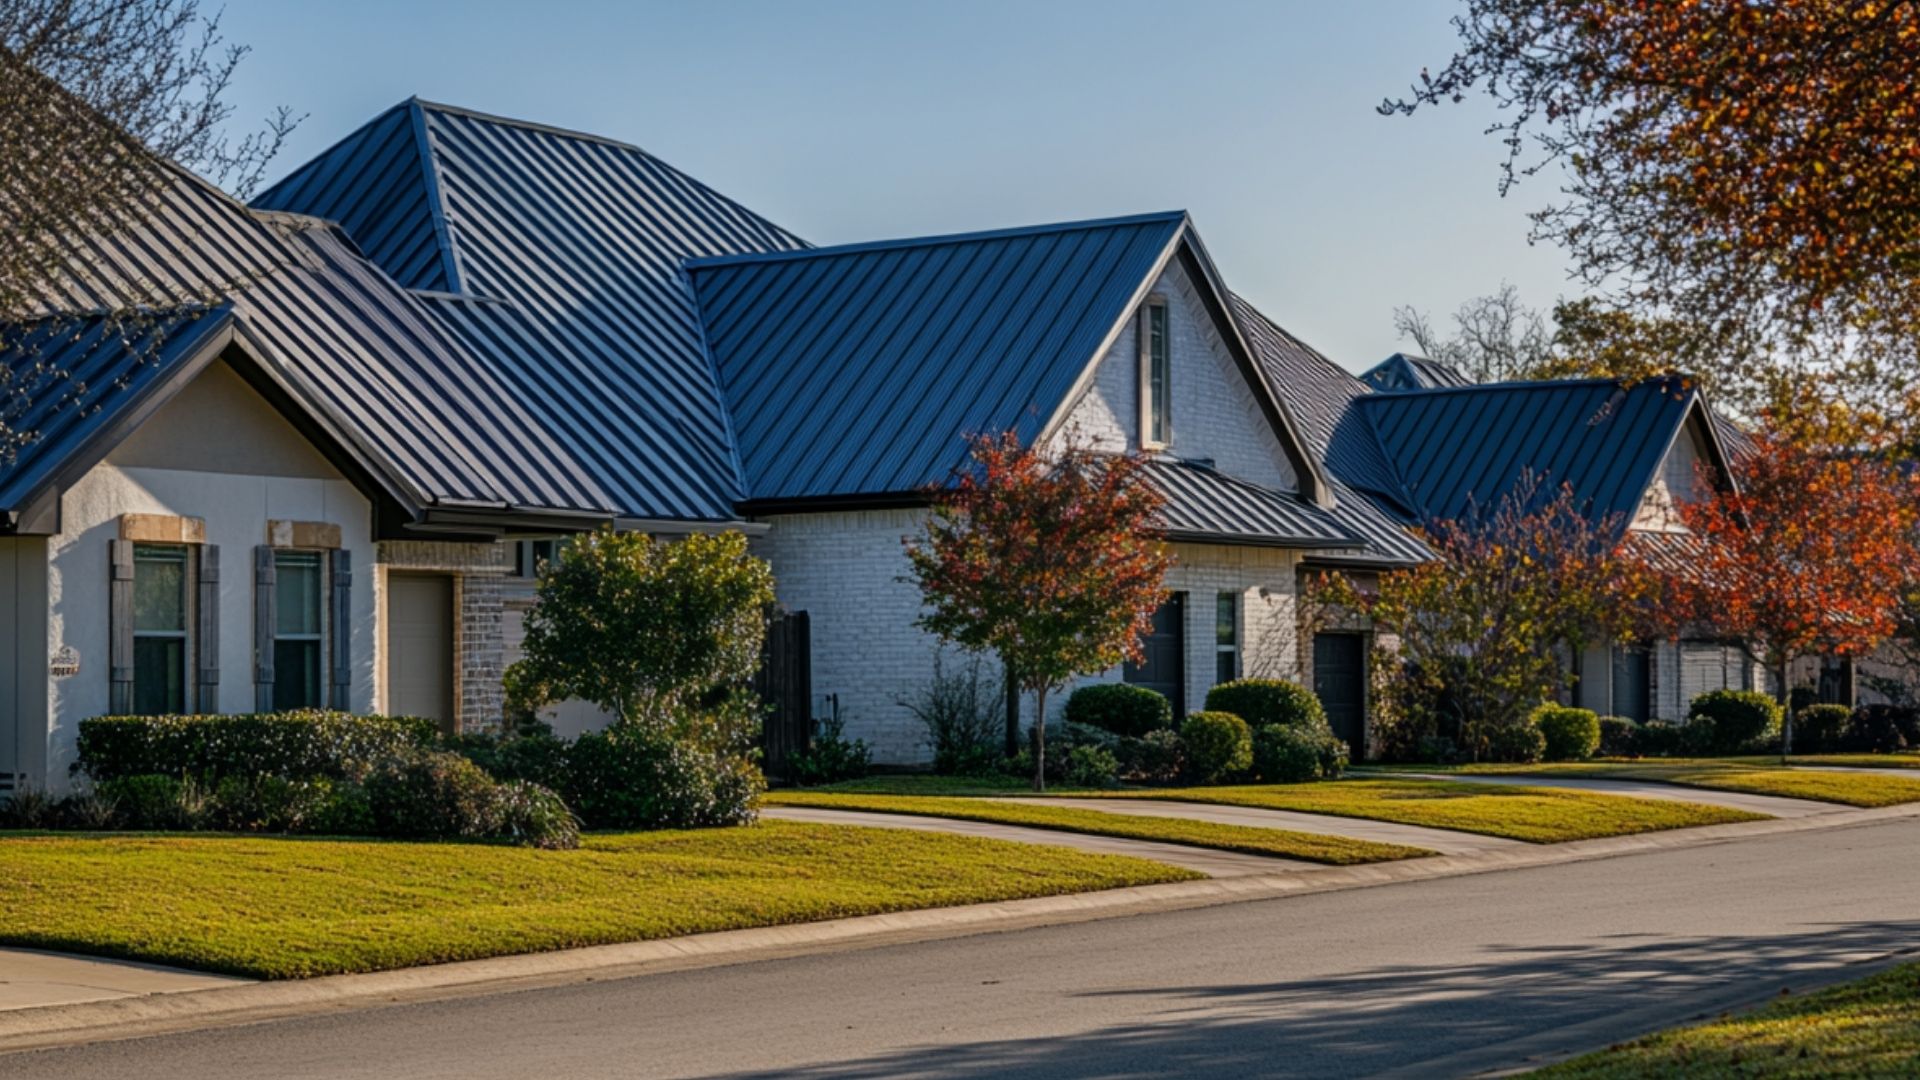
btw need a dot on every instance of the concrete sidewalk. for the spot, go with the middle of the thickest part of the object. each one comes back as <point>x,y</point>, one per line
<point>1770,805</point>
<point>30,978</point>
<point>1206,860</point>
<point>1444,841</point>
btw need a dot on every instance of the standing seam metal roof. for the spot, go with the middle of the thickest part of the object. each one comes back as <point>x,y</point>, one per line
<point>1211,506</point>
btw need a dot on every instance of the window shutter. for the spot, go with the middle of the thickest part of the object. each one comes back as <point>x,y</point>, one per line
<point>263,584</point>
<point>206,645</point>
<point>340,628</point>
<point>120,628</point>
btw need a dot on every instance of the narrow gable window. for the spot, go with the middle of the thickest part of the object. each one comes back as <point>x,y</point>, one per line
<point>1156,377</point>
<point>159,629</point>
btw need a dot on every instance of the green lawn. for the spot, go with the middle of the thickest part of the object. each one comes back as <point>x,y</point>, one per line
<point>1749,775</point>
<point>1542,815</point>
<point>1869,1028</point>
<point>275,907</point>
<point>1035,813</point>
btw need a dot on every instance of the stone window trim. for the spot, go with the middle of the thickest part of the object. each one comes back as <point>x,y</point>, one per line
<point>162,529</point>
<point>303,535</point>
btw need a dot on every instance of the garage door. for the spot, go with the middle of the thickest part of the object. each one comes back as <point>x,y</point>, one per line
<point>420,646</point>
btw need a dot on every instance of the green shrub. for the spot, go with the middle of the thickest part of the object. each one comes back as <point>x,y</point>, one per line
<point>531,754</point>
<point>1091,766</point>
<point>628,777</point>
<point>1263,702</point>
<point>1569,734</point>
<point>1219,745</point>
<point>1738,719</point>
<point>29,808</point>
<point>1285,754</point>
<point>1158,757</point>
<point>299,745</point>
<point>536,817</point>
<point>1619,737</point>
<point>1879,729</point>
<point>436,795</point>
<point>831,757</point>
<point>163,803</point>
<point>1820,729</point>
<point>1121,708</point>
<point>272,804</point>
<point>965,716</point>
<point>1520,743</point>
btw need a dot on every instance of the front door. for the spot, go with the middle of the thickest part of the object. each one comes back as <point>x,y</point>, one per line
<point>1163,666</point>
<point>1632,683</point>
<point>420,646</point>
<point>1340,682</point>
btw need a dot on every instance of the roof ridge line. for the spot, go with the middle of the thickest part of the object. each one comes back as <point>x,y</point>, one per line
<point>936,240</point>
<point>419,103</point>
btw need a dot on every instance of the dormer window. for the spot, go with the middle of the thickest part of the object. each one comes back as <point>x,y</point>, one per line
<point>1156,377</point>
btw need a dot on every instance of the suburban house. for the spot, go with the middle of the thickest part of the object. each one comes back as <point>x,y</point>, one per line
<point>325,469</point>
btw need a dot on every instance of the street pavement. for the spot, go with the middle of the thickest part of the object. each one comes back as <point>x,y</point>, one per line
<point>1436,978</point>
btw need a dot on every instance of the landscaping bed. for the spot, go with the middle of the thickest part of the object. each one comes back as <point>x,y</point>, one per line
<point>280,908</point>
<point>1869,1028</point>
<point>1035,814</point>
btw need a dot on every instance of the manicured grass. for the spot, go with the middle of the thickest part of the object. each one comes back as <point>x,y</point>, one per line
<point>292,908</point>
<point>1869,1028</point>
<point>1036,814</point>
<point>924,784</point>
<point>1542,815</point>
<point>1728,774</point>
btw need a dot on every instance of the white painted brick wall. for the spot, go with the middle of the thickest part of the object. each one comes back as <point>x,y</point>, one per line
<point>847,571</point>
<point>1215,413</point>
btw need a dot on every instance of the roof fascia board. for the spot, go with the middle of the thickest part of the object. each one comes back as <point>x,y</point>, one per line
<point>450,260</point>
<point>1313,479</point>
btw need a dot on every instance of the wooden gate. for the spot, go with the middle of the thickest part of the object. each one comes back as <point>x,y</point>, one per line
<point>785,687</point>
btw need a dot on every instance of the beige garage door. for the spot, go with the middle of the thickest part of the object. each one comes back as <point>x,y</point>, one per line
<point>420,646</point>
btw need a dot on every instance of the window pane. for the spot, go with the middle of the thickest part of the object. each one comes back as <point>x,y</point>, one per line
<point>159,588</point>
<point>1226,630</point>
<point>159,675</point>
<point>296,674</point>
<point>297,592</point>
<point>1224,668</point>
<point>1157,370</point>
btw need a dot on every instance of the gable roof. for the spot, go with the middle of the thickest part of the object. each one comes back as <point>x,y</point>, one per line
<point>1465,448</point>
<point>562,252</point>
<point>1405,371</point>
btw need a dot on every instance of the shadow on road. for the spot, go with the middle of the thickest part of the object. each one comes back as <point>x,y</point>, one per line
<point>1523,1001</point>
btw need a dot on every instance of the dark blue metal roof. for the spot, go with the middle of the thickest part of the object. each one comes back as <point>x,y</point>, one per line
<point>69,379</point>
<point>861,370</point>
<point>566,251</point>
<point>1404,371</point>
<point>1463,450</point>
<point>1209,506</point>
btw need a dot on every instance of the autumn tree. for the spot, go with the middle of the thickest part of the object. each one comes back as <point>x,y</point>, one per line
<point>96,96</point>
<point>1050,561</point>
<point>1475,637</point>
<point>1748,172</point>
<point>1810,552</point>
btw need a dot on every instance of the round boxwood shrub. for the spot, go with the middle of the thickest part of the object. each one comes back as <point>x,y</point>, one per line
<point>1158,757</point>
<point>1218,744</point>
<point>1819,729</point>
<point>1292,755</point>
<point>1121,708</point>
<point>1261,702</point>
<point>1619,737</point>
<point>1739,719</point>
<point>1520,743</point>
<point>1570,734</point>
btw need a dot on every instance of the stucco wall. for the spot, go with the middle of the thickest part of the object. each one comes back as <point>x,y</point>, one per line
<point>847,571</point>
<point>1214,412</point>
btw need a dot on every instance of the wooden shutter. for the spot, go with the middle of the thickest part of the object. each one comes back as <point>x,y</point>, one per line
<point>120,628</point>
<point>206,645</point>
<point>340,628</point>
<point>263,614</point>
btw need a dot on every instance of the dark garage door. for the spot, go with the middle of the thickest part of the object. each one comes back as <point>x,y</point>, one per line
<point>1164,667</point>
<point>1340,681</point>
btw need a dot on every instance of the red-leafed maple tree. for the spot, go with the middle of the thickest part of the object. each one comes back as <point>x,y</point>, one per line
<point>1051,561</point>
<point>1809,555</point>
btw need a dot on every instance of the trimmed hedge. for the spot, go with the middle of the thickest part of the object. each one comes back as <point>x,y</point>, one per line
<point>1570,734</point>
<point>1819,729</point>
<point>1735,720</point>
<point>1218,744</point>
<point>1284,754</point>
<point>1262,702</point>
<point>299,745</point>
<point>1122,708</point>
<point>1619,737</point>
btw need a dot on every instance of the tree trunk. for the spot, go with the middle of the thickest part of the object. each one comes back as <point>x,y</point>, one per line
<point>1013,708</point>
<point>1040,739</point>
<point>1786,714</point>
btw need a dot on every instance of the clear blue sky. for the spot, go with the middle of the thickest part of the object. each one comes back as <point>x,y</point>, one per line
<point>855,120</point>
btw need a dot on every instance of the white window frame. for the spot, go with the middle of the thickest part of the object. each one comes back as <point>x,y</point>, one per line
<point>319,636</point>
<point>1149,439</point>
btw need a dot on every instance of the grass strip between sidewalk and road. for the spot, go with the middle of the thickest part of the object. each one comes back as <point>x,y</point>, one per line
<point>279,908</point>
<point>1541,815</point>
<point>1036,814</point>
<point>1744,775</point>
<point>1869,1028</point>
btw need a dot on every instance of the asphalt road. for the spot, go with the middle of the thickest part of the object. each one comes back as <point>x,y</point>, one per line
<point>1430,979</point>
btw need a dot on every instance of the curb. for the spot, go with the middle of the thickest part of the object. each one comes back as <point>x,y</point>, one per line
<point>125,1018</point>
